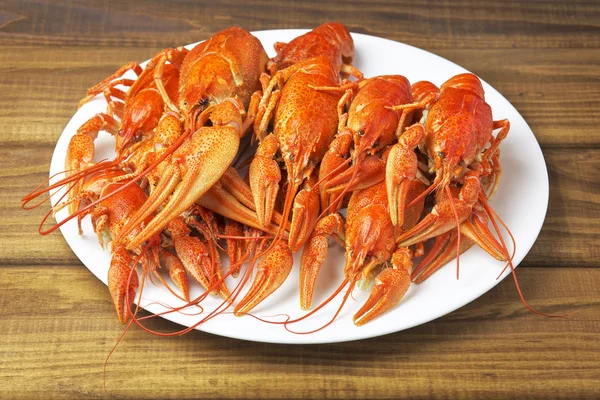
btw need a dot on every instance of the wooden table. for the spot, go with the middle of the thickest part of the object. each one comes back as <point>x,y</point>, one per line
<point>57,324</point>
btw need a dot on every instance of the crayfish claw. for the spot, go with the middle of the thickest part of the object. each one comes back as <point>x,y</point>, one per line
<point>401,176</point>
<point>315,252</point>
<point>120,273</point>
<point>390,287</point>
<point>176,271</point>
<point>271,273</point>
<point>304,217</point>
<point>193,169</point>
<point>197,258</point>
<point>442,252</point>
<point>265,175</point>
<point>235,246</point>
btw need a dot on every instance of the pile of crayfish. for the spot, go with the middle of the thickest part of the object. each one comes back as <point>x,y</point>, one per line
<point>378,165</point>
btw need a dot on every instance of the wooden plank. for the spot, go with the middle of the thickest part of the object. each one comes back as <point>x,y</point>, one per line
<point>568,238</point>
<point>58,323</point>
<point>557,91</point>
<point>571,230</point>
<point>449,25</point>
<point>58,327</point>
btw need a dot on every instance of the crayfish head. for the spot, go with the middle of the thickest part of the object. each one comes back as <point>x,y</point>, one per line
<point>141,115</point>
<point>367,132</point>
<point>451,148</point>
<point>211,82</point>
<point>194,99</point>
<point>372,114</point>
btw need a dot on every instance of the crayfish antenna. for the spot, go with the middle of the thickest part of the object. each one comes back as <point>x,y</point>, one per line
<point>73,178</point>
<point>133,181</point>
<point>493,217</point>
<point>420,197</point>
<point>442,252</point>
<point>334,204</point>
<point>457,229</point>
<point>323,304</point>
<point>476,229</point>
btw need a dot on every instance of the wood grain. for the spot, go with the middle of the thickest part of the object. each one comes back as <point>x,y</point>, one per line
<point>57,321</point>
<point>491,348</point>
<point>573,218</point>
<point>431,24</point>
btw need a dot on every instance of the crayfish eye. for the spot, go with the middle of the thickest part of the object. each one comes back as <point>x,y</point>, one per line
<point>361,133</point>
<point>441,155</point>
<point>375,144</point>
<point>203,101</point>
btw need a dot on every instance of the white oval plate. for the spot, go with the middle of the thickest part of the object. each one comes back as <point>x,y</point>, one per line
<point>521,201</point>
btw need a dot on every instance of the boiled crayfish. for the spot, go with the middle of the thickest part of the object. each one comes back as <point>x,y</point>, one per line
<point>327,139</point>
<point>179,130</point>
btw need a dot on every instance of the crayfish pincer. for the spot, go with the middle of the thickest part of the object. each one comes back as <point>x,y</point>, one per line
<point>219,82</point>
